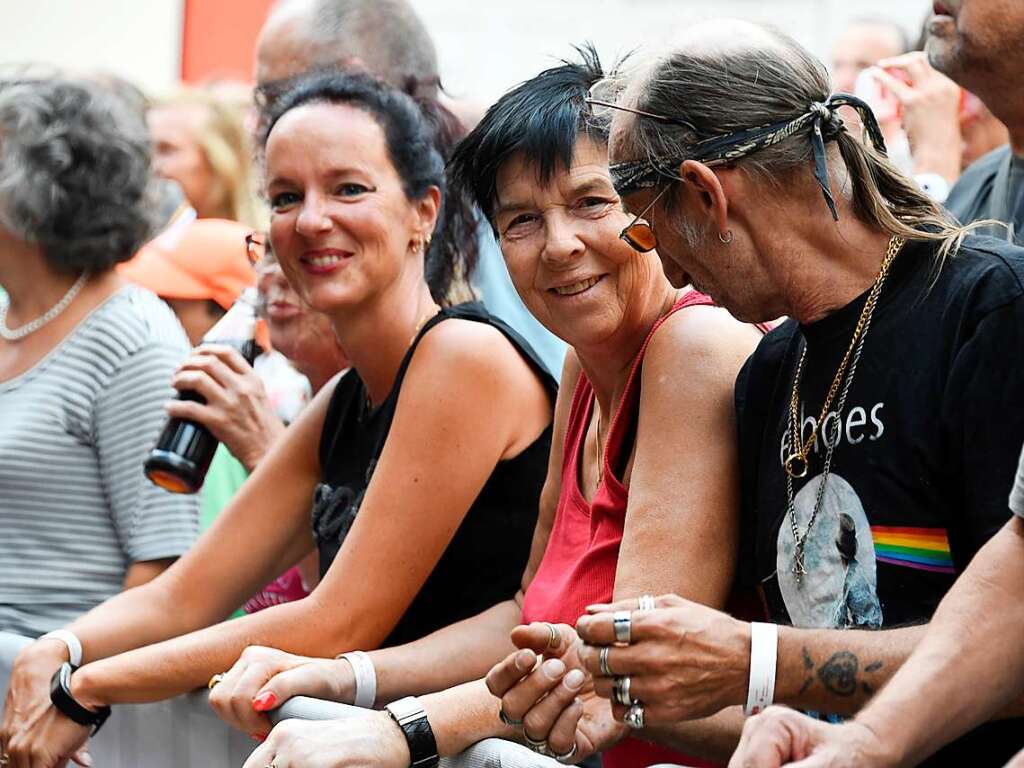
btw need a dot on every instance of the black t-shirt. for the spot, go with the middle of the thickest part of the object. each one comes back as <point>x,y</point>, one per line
<point>484,562</point>
<point>992,188</point>
<point>926,453</point>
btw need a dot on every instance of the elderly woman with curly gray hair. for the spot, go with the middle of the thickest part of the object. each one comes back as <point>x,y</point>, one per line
<point>85,360</point>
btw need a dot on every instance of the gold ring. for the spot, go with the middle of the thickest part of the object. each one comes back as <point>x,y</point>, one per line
<point>214,681</point>
<point>555,639</point>
<point>5,759</point>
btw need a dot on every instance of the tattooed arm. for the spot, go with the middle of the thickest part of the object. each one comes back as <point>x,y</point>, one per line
<point>837,670</point>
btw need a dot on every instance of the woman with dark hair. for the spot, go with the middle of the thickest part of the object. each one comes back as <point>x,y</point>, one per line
<point>640,494</point>
<point>424,463</point>
<point>85,360</point>
<point>879,427</point>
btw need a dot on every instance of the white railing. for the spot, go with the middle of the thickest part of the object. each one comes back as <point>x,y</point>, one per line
<point>185,732</point>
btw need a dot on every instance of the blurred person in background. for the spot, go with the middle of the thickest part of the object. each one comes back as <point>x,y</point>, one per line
<point>85,360</point>
<point>862,44</point>
<point>388,39</point>
<point>200,140</point>
<point>961,107</point>
<point>417,474</point>
<point>200,267</point>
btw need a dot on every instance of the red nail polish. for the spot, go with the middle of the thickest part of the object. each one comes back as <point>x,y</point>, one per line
<point>264,701</point>
<point>258,737</point>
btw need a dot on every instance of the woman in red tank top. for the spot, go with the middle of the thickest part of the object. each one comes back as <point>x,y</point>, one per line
<point>640,495</point>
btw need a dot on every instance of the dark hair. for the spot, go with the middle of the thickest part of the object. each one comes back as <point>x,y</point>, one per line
<point>74,172</point>
<point>541,118</point>
<point>420,136</point>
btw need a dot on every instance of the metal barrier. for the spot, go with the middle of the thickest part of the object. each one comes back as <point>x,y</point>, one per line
<point>184,731</point>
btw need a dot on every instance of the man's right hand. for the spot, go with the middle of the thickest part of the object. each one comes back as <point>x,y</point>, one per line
<point>780,736</point>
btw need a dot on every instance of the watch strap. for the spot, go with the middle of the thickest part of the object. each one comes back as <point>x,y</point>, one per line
<point>412,719</point>
<point>66,704</point>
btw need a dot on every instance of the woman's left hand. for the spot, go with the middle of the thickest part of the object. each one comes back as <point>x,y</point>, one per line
<point>684,660</point>
<point>372,740</point>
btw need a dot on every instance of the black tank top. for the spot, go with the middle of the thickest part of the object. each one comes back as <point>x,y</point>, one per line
<point>485,559</point>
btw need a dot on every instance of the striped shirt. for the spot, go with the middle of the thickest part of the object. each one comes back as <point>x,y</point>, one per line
<point>75,507</point>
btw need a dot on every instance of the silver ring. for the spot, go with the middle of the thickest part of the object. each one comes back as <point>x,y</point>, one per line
<point>646,602</point>
<point>635,716</point>
<point>509,721</point>
<point>554,636</point>
<point>5,759</point>
<point>566,758</point>
<point>540,747</point>
<point>602,661</point>
<point>621,622</point>
<point>620,689</point>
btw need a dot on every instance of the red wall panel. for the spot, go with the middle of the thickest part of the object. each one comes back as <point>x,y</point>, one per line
<point>219,38</point>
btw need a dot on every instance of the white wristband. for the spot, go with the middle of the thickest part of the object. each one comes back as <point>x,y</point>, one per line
<point>366,678</point>
<point>73,643</point>
<point>764,653</point>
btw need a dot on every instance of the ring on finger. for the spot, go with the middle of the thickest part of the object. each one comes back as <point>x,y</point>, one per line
<point>566,757</point>
<point>635,716</point>
<point>5,759</point>
<point>622,623</point>
<point>620,690</point>
<point>511,722</point>
<point>555,637</point>
<point>540,747</point>
<point>214,681</point>
<point>647,602</point>
<point>602,661</point>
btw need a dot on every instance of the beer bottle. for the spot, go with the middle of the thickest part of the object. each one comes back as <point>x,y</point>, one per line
<point>182,456</point>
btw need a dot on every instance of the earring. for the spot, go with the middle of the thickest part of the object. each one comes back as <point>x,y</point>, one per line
<point>727,237</point>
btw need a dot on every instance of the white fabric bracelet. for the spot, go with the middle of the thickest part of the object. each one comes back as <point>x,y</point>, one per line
<point>366,677</point>
<point>764,655</point>
<point>73,643</point>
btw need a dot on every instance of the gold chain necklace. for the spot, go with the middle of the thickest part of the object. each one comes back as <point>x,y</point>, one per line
<point>793,431</point>
<point>597,446</point>
<point>796,462</point>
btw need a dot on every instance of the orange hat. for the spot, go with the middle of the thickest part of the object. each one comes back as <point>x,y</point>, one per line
<point>194,259</point>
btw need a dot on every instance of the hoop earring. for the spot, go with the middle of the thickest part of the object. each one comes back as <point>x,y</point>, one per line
<point>727,237</point>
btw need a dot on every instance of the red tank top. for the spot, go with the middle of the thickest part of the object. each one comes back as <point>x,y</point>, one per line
<point>582,553</point>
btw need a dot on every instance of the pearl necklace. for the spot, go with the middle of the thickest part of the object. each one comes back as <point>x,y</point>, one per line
<point>14,334</point>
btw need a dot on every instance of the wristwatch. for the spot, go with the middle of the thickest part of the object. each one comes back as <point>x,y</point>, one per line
<point>411,718</point>
<point>60,695</point>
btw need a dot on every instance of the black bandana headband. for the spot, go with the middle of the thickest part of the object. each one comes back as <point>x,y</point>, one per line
<point>825,124</point>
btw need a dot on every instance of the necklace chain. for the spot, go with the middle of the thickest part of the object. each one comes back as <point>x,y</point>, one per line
<point>796,462</point>
<point>14,334</point>
<point>799,448</point>
<point>597,446</point>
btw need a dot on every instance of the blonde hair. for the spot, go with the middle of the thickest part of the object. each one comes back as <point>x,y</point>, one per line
<point>224,140</point>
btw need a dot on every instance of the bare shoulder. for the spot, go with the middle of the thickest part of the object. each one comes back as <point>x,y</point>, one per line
<point>700,343</point>
<point>696,336</point>
<point>471,345</point>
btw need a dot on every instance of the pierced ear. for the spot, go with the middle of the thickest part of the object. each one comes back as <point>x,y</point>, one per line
<point>711,195</point>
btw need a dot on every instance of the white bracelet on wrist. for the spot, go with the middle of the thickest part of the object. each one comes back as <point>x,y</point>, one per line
<point>365,675</point>
<point>71,641</point>
<point>764,654</point>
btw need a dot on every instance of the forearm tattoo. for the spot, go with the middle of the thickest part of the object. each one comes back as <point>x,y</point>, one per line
<point>840,674</point>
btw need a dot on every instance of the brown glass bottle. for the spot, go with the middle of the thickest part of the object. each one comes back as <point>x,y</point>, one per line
<point>182,455</point>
